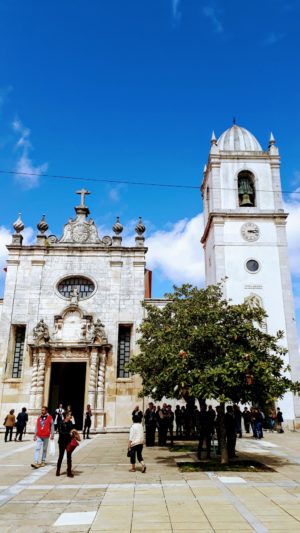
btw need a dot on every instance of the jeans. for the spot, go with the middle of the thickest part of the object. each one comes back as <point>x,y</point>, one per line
<point>258,432</point>
<point>41,442</point>
<point>8,431</point>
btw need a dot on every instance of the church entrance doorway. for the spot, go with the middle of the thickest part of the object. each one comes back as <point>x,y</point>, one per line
<point>67,386</point>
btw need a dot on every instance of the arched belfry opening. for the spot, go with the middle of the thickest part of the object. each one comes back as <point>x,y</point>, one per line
<point>246,189</point>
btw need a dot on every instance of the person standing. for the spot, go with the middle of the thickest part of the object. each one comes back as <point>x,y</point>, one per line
<point>138,412</point>
<point>170,419</point>
<point>279,420</point>
<point>58,417</point>
<point>135,444</point>
<point>22,420</point>
<point>44,429</point>
<point>163,421</point>
<point>230,431</point>
<point>178,421</point>
<point>238,420</point>
<point>206,429</point>
<point>64,438</point>
<point>9,423</point>
<point>150,423</point>
<point>87,421</point>
<point>247,419</point>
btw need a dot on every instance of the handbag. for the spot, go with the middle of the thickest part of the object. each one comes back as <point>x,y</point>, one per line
<point>72,445</point>
<point>52,447</point>
<point>129,452</point>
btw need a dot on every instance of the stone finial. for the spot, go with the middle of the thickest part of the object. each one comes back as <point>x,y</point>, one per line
<point>271,140</point>
<point>117,227</point>
<point>18,225</point>
<point>273,150</point>
<point>213,139</point>
<point>140,228</point>
<point>42,226</point>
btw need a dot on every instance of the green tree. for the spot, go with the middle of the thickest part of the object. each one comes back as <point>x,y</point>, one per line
<point>201,346</point>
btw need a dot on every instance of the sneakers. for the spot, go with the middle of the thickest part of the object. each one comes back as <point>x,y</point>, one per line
<point>43,463</point>
<point>35,465</point>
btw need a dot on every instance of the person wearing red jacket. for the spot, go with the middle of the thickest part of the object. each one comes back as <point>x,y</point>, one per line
<point>44,429</point>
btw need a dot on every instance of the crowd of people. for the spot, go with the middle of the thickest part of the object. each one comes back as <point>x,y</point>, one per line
<point>205,424</point>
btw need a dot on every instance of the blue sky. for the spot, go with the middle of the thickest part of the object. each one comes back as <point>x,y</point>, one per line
<point>131,90</point>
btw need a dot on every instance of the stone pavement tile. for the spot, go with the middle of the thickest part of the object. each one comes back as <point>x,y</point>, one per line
<point>67,494</point>
<point>88,494</point>
<point>161,529</point>
<point>128,530</point>
<point>230,530</point>
<point>69,529</point>
<point>111,525</point>
<point>30,495</point>
<point>193,526</point>
<point>279,528</point>
<point>152,526</point>
<point>231,526</point>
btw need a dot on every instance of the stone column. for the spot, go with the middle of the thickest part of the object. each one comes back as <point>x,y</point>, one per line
<point>33,387</point>
<point>101,381</point>
<point>93,377</point>
<point>40,380</point>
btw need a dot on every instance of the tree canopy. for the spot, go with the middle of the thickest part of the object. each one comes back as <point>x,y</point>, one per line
<point>202,346</point>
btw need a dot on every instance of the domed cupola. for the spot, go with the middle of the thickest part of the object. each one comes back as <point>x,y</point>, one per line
<point>237,139</point>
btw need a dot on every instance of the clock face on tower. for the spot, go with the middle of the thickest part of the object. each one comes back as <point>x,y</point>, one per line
<point>250,231</point>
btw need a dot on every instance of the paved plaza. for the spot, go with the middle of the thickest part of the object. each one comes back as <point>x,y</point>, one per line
<point>105,496</point>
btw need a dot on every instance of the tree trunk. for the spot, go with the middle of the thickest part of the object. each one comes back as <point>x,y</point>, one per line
<point>222,437</point>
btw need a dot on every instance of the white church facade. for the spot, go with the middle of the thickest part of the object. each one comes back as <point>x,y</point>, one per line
<point>72,305</point>
<point>69,319</point>
<point>245,238</point>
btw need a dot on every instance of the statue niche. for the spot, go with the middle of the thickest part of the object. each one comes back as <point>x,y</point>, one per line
<point>246,189</point>
<point>68,327</point>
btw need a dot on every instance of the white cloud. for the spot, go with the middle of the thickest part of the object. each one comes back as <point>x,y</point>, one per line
<point>176,9</point>
<point>272,38</point>
<point>213,15</point>
<point>28,173</point>
<point>176,253</point>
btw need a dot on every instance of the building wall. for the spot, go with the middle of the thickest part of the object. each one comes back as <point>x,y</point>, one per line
<point>226,251</point>
<point>33,273</point>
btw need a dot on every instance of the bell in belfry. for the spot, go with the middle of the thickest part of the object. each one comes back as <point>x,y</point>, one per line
<point>246,192</point>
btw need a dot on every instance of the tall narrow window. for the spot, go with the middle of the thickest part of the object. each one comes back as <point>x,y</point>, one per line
<point>19,351</point>
<point>123,350</point>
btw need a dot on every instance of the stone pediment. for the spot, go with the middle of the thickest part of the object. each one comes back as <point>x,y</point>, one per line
<point>82,231</point>
<point>75,327</point>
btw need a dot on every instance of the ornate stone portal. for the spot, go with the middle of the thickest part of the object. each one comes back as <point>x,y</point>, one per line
<point>76,337</point>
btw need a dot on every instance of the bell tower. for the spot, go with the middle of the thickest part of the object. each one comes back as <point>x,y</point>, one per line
<point>244,235</point>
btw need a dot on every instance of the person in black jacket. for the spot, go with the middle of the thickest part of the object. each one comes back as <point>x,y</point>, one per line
<point>150,422</point>
<point>64,439</point>
<point>22,420</point>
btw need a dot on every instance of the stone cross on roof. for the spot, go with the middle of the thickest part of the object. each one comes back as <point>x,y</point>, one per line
<point>83,193</point>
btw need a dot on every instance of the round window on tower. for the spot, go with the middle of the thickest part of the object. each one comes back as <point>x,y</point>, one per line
<point>79,285</point>
<point>252,266</point>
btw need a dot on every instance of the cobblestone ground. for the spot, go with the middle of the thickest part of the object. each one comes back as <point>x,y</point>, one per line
<point>105,496</point>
